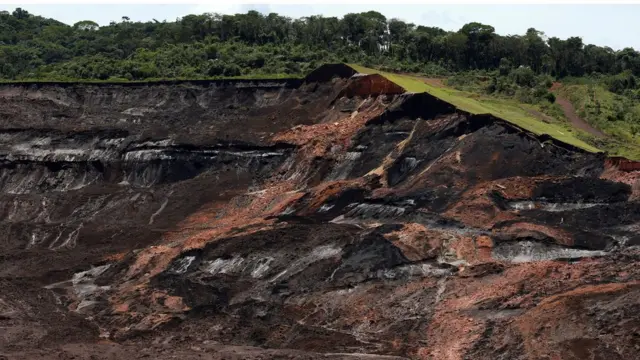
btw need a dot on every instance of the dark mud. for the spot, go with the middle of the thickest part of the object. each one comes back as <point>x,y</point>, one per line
<point>314,219</point>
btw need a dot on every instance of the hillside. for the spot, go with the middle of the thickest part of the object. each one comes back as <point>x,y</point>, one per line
<point>337,216</point>
<point>475,105</point>
<point>256,187</point>
<point>615,115</point>
<point>482,71</point>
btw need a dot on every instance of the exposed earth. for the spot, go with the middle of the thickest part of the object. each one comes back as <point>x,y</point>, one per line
<point>334,217</point>
<point>571,114</point>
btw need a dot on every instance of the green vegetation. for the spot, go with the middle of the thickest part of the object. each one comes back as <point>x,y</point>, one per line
<point>505,109</point>
<point>213,45</point>
<point>521,84</point>
<point>616,115</point>
<point>519,95</point>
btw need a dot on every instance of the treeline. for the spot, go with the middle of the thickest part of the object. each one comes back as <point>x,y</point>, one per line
<point>252,44</point>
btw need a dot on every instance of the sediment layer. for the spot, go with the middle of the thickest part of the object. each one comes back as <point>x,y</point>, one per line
<point>330,217</point>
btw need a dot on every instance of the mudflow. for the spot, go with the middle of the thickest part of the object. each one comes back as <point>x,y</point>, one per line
<point>334,217</point>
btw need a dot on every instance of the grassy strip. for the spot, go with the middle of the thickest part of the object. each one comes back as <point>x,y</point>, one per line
<point>504,109</point>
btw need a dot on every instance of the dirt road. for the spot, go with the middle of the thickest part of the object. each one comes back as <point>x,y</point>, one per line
<point>570,113</point>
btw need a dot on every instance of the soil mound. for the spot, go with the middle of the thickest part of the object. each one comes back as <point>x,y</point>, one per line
<point>372,85</point>
<point>327,72</point>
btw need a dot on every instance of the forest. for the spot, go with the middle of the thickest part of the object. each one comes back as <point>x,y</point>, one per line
<point>254,45</point>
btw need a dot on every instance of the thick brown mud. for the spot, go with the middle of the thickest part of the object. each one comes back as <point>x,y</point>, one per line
<point>330,217</point>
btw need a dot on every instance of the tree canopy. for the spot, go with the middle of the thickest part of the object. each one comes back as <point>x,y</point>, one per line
<point>209,45</point>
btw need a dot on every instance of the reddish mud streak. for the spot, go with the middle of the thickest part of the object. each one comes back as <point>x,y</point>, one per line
<point>332,225</point>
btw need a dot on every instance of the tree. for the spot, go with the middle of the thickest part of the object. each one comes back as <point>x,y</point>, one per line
<point>575,56</point>
<point>455,45</point>
<point>536,48</point>
<point>86,25</point>
<point>267,44</point>
<point>524,76</point>
<point>479,36</point>
<point>20,14</point>
<point>628,59</point>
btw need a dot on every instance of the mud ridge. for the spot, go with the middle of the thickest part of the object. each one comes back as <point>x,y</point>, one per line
<point>328,217</point>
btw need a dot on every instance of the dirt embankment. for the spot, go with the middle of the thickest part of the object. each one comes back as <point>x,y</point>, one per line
<point>571,114</point>
<point>331,219</point>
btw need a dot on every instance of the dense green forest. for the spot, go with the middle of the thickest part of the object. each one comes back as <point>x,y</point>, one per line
<point>253,44</point>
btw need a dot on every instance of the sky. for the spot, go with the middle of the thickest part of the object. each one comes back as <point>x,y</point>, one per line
<point>604,25</point>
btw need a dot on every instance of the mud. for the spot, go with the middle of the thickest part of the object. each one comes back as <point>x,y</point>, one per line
<point>332,217</point>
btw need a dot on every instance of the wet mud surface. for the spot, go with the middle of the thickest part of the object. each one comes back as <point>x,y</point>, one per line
<point>332,218</point>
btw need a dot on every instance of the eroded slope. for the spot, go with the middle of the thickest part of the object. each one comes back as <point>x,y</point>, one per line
<point>333,217</point>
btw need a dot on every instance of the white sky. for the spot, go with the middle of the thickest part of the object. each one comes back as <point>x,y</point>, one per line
<point>616,26</point>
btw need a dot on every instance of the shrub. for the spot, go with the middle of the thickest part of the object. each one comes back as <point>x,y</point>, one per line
<point>232,70</point>
<point>432,69</point>
<point>621,82</point>
<point>216,68</point>
<point>462,80</point>
<point>493,85</point>
<point>505,67</point>
<point>525,95</point>
<point>504,86</point>
<point>524,76</point>
<point>292,67</point>
<point>546,81</point>
<point>212,51</point>
<point>550,97</point>
<point>540,92</point>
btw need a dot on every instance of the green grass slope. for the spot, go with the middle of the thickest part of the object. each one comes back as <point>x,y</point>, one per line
<point>507,110</point>
<point>616,115</point>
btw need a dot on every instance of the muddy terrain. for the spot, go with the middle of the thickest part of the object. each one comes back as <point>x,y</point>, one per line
<point>334,217</point>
